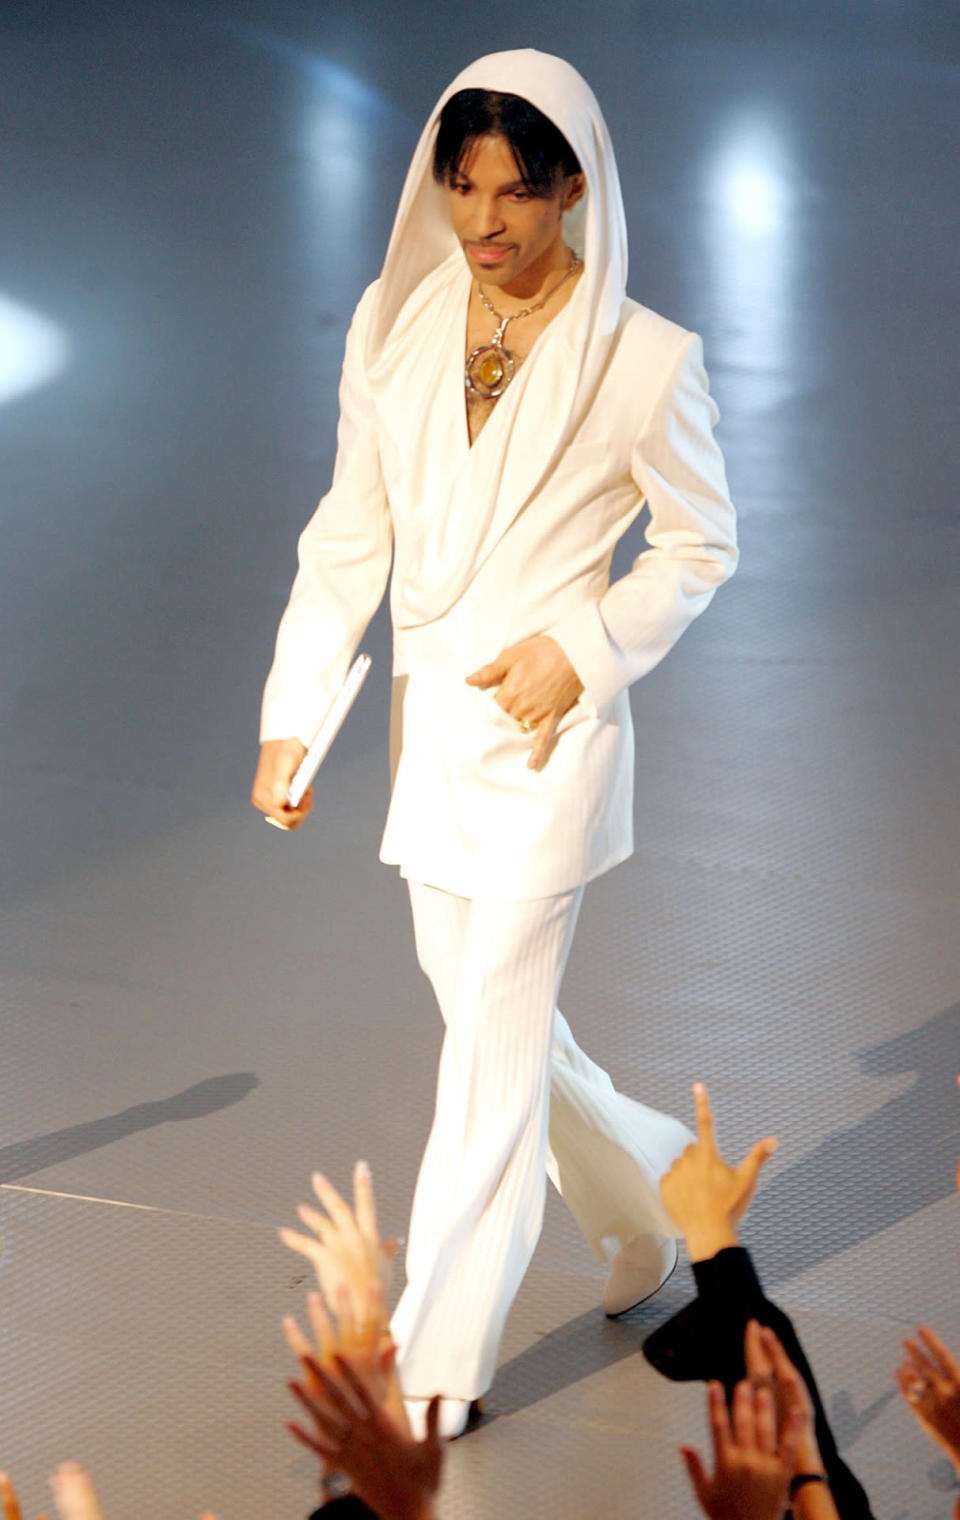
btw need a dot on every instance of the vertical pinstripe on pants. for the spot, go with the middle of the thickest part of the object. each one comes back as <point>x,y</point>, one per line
<point>496,968</point>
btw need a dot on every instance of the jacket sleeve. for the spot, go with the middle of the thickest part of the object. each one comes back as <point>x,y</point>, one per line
<point>705,1340</point>
<point>344,558</point>
<point>691,538</point>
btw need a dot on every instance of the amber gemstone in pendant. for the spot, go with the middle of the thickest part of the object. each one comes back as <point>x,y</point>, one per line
<point>491,371</point>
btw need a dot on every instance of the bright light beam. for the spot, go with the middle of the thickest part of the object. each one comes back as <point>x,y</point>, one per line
<point>33,350</point>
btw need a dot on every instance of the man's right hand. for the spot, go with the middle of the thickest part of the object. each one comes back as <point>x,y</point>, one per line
<point>279,759</point>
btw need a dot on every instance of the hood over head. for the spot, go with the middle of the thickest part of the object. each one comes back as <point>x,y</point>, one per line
<point>422,237</point>
<point>545,403</point>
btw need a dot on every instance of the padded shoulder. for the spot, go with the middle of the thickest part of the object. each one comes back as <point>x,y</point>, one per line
<point>644,331</point>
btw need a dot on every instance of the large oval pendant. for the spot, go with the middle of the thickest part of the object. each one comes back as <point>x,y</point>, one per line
<point>489,371</point>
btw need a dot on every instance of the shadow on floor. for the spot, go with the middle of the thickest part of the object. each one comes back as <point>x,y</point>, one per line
<point>27,1156</point>
<point>857,1183</point>
<point>581,1347</point>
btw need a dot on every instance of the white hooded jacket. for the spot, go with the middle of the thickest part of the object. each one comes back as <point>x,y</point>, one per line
<point>509,537</point>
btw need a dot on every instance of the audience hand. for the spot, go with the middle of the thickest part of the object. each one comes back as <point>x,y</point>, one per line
<point>354,1432</point>
<point>769,1366</point>
<point>703,1194</point>
<point>9,1501</point>
<point>352,1268</point>
<point>73,1494</point>
<point>343,1336</point>
<point>345,1248</point>
<point>753,1463</point>
<point>929,1380</point>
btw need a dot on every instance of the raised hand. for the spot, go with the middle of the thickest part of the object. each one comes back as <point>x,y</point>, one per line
<point>9,1502</point>
<point>345,1250</point>
<point>353,1431</point>
<point>74,1493</point>
<point>752,1460</point>
<point>341,1335</point>
<point>929,1380</point>
<point>537,686</point>
<point>349,1314</point>
<point>703,1194</point>
<point>768,1366</point>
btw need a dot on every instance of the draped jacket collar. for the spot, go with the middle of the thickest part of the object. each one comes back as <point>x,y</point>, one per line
<point>553,392</point>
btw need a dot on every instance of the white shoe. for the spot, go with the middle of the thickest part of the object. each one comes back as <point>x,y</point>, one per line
<point>637,1271</point>
<point>454,1417</point>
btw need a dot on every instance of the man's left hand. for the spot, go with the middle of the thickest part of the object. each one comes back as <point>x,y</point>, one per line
<point>538,685</point>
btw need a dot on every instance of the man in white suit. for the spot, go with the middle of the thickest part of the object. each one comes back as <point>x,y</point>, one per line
<point>506,412</point>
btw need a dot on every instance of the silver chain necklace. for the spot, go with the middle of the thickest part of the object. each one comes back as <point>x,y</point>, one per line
<point>491,367</point>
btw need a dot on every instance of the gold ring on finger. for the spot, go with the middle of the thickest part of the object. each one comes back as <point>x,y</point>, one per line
<point>527,726</point>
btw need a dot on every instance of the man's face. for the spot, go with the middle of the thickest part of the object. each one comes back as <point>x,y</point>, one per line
<point>504,230</point>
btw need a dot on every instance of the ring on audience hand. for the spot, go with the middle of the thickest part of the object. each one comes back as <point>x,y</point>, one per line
<point>334,1485</point>
<point>526,725</point>
<point>916,1390</point>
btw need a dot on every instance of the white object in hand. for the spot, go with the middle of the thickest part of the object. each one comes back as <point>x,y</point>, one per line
<point>329,728</point>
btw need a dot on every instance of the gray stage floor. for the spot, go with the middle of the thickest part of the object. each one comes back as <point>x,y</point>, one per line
<point>196,1010</point>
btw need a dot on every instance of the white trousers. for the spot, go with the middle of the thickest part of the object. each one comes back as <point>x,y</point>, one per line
<point>511,1075</point>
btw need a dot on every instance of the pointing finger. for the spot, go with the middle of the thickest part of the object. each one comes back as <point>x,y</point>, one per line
<point>701,1103</point>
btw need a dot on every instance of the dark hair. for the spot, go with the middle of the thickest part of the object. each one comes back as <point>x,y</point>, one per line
<point>543,154</point>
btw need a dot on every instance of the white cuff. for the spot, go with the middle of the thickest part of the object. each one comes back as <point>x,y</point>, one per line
<point>583,637</point>
<point>287,717</point>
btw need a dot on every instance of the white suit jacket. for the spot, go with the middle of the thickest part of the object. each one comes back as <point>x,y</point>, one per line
<point>466,813</point>
<point>511,537</point>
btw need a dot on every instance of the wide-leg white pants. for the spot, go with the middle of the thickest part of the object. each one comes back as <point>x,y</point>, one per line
<point>510,1075</point>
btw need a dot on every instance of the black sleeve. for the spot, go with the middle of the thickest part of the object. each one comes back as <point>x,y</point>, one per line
<point>705,1341</point>
<point>347,1507</point>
